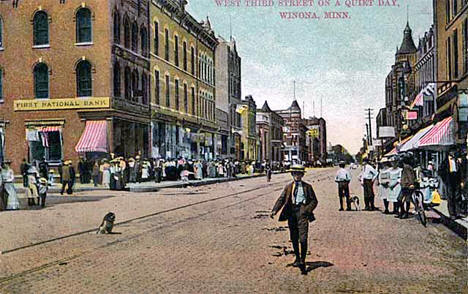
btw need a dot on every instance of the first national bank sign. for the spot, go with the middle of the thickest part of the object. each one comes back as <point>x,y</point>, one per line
<point>60,104</point>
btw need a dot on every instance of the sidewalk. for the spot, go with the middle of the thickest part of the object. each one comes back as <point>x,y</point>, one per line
<point>459,226</point>
<point>149,186</point>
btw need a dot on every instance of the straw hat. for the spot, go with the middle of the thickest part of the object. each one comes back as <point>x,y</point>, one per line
<point>43,181</point>
<point>297,168</point>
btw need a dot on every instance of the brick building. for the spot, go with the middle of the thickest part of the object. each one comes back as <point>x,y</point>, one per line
<point>316,139</point>
<point>74,79</point>
<point>294,134</point>
<point>183,83</point>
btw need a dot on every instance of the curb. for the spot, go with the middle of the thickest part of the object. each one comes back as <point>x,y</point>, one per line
<point>458,226</point>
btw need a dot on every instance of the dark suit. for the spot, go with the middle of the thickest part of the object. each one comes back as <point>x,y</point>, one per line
<point>297,215</point>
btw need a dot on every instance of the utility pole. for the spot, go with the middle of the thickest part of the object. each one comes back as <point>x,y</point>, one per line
<point>369,124</point>
<point>367,133</point>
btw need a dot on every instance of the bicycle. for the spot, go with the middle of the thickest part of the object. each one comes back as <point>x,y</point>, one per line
<point>417,198</point>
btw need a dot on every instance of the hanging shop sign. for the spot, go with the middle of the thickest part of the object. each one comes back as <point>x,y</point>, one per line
<point>63,103</point>
<point>386,132</point>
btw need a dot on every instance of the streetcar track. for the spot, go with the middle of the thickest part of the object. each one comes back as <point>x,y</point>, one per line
<point>66,260</point>
<point>129,238</point>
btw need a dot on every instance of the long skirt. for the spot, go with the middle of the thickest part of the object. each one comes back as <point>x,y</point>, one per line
<point>106,178</point>
<point>12,199</point>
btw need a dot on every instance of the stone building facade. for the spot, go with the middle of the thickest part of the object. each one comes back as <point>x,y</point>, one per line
<point>183,96</point>
<point>316,140</point>
<point>294,134</point>
<point>270,131</point>
<point>64,88</point>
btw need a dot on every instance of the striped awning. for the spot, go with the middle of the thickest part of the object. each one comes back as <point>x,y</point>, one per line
<point>51,129</point>
<point>440,135</point>
<point>94,137</point>
<point>414,142</point>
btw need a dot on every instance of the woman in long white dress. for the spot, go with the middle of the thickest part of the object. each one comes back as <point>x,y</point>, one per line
<point>8,178</point>
<point>384,180</point>
<point>395,186</point>
<point>106,174</point>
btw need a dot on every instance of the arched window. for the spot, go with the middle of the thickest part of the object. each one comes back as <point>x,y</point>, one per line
<point>41,28</point>
<point>116,80</point>
<point>126,33</point>
<point>144,41</point>
<point>116,28</point>
<point>41,80</point>
<point>83,26</point>
<point>128,84</point>
<point>84,83</point>
<point>134,37</point>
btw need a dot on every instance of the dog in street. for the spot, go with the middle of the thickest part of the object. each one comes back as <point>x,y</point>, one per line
<point>354,199</point>
<point>107,224</point>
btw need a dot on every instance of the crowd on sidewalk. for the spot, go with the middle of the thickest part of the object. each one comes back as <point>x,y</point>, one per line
<point>397,177</point>
<point>115,173</point>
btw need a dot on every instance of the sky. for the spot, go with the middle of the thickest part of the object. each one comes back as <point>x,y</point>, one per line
<point>341,62</point>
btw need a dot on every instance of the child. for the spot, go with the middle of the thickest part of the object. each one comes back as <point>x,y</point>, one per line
<point>42,187</point>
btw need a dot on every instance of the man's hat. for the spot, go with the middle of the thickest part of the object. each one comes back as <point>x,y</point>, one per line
<point>43,180</point>
<point>297,168</point>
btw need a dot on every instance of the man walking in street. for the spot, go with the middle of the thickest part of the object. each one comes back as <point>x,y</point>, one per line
<point>297,202</point>
<point>343,178</point>
<point>368,176</point>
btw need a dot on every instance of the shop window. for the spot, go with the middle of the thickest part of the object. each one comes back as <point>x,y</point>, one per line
<point>144,41</point>
<point>41,81</point>
<point>157,87</point>
<point>83,79</point>
<point>47,145</point>
<point>41,28</point>
<point>116,80</point>
<point>134,37</point>
<point>83,26</point>
<point>116,28</point>
<point>126,33</point>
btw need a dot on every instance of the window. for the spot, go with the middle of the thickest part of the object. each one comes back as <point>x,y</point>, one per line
<point>83,26</point>
<point>176,50</point>
<point>1,32</point>
<point>83,79</point>
<point>192,58</point>
<point>176,94</point>
<point>134,37</point>
<point>157,87</point>
<point>126,33</point>
<point>168,92</point>
<point>185,55</point>
<point>41,81</point>
<point>454,7</point>
<point>193,100</point>
<point>1,85</point>
<point>144,41</point>
<point>185,99</point>
<point>166,44</point>
<point>128,84</point>
<point>116,80</point>
<point>143,89</point>
<point>156,38</point>
<point>53,151</point>
<point>41,28</point>
<point>116,28</point>
<point>447,11</point>
<point>135,85</point>
<point>465,45</point>
<point>449,59</point>
<point>455,54</point>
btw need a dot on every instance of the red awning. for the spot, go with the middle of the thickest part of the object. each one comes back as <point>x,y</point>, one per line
<point>51,129</point>
<point>94,137</point>
<point>440,135</point>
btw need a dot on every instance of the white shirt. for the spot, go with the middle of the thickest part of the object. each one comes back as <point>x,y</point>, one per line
<point>369,173</point>
<point>343,175</point>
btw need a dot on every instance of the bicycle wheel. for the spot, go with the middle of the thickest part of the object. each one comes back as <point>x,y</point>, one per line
<point>418,205</point>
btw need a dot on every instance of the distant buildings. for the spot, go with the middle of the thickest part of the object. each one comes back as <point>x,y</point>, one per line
<point>294,134</point>
<point>316,140</point>
<point>270,130</point>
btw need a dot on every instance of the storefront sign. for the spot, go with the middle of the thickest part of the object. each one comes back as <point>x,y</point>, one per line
<point>411,115</point>
<point>386,132</point>
<point>65,103</point>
